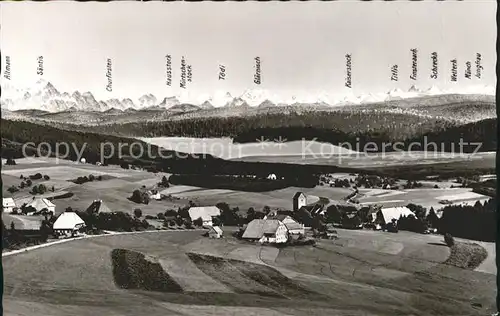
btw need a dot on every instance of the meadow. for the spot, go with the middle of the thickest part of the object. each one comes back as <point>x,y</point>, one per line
<point>360,273</point>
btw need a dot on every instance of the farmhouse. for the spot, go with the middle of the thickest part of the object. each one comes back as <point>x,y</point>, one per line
<point>98,206</point>
<point>154,195</point>
<point>294,227</point>
<point>69,224</point>
<point>215,232</point>
<point>271,176</point>
<point>8,205</point>
<point>39,204</point>
<point>205,212</point>
<point>266,231</point>
<point>386,215</point>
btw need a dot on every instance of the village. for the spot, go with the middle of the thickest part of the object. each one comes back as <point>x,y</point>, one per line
<point>36,218</point>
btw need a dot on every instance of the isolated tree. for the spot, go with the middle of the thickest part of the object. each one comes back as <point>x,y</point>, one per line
<point>266,209</point>
<point>10,162</point>
<point>12,189</point>
<point>250,214</point>
<point>138,213</point>
<point>46,177</point>
<point>164,182</point>
<point>449,240</point>
<point>34,190</point>
<point>41,189</point>
<point>198,222</point>
<point>28,182</point>
<point>170,213</point>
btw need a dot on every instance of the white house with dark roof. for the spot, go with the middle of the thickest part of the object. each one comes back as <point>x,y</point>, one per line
<point>266,231</point>
<point>69,224</point>
<point>294,227</point>
<point>39,203</point>
<point>387,214</point>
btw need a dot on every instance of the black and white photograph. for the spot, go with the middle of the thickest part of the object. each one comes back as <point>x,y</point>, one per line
<point>272,158</point>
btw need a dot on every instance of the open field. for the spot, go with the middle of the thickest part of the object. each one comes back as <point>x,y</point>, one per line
<point>225,148</point>
<point>119,184</point>
<point>313,152</point>
<point>274,199</point>
<point>425,197</point>
<point>376,160</point>
<point>361,273</point>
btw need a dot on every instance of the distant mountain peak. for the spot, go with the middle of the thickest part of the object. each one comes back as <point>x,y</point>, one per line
<point>237,102</point>
<point>414,88</point>
<point>266,104</point>
<point>206,105</point>
<point>169,102</point>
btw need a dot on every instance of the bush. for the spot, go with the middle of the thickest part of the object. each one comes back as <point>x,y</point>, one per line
<point>449,240</point>
<point>138,213</point>
<point>12,189</point>
<point>46,177</point>
<point>198,222</point>
<point>139,197</point>
<point>36,176</point>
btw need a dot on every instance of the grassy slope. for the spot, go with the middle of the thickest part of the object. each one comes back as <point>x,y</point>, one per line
<point>410,282</point>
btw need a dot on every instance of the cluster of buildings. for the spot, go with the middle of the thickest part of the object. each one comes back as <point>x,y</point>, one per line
<point>66,224</point>
<point>273,228</point>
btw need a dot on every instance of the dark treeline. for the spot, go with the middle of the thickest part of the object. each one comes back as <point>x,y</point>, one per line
<point>355,128</point>
<point>395,125</point>
<point>476,222</point>
<point>244,183</point>
<point>15,134</point>
<point>444,138</point>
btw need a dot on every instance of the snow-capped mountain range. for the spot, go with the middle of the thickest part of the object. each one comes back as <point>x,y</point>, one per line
<point>44,96</point>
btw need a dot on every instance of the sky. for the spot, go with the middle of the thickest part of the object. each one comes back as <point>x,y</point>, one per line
<point>301,45</point>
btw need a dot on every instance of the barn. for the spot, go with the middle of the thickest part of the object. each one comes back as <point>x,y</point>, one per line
<point>386,215</point>
<point>39,204</point>
<point>205,213</point>
<point>68,224</point>
<point>294,227</point>
<point>266,231</point>
<point>98,206</point>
